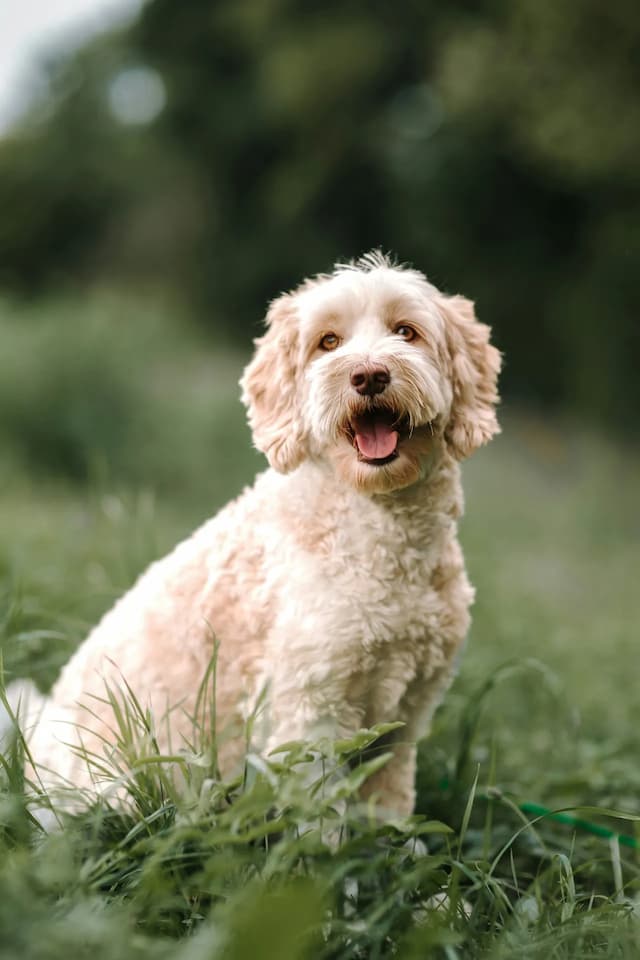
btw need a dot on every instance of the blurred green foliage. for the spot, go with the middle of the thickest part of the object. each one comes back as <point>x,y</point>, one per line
<point>120,390</point>
<point>493,144</point>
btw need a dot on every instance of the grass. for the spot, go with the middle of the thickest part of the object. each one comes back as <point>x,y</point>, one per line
<point>543,711</point>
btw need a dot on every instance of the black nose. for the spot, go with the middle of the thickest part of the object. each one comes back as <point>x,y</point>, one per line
<point>369,380</point>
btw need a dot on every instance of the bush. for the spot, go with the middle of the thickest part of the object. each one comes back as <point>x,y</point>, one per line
<point>111,387</point>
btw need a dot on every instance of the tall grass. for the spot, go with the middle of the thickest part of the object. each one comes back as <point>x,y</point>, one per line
<point>285,862</point>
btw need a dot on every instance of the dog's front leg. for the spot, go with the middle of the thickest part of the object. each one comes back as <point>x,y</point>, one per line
<point>309,679</point>
<point>310,718</point>
<point>392,786</point>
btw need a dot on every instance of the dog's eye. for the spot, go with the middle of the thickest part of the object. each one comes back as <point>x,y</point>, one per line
<point>406,332</point>
<point>330,341</point>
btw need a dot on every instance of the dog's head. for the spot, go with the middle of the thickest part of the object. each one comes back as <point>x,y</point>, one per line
<point>371,368</point>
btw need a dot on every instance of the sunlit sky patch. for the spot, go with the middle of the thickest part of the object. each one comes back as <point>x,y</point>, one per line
<point>32,28</point>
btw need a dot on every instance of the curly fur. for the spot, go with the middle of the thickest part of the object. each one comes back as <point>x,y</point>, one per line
<point>335,584</point>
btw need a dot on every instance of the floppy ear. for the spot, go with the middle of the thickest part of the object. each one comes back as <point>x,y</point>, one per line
<point>475,365</point>
<point>270,389</point>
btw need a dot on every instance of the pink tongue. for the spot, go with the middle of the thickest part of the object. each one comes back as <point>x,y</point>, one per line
<point>376,440</point>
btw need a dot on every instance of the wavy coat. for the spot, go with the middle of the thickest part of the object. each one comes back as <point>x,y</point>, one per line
<point>335,584</point>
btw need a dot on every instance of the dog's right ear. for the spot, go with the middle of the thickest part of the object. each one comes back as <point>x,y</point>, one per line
<point>270,388</point>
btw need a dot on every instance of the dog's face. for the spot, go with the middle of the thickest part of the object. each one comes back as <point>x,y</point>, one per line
<point>371,368</point>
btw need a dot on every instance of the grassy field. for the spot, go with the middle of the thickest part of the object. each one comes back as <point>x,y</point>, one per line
<point>119,445</point>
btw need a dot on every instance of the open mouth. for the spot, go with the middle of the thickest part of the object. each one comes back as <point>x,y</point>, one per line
<point>375,434</point>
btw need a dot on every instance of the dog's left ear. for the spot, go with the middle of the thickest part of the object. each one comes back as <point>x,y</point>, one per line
<point>475,365</point>
<point>270,389</point>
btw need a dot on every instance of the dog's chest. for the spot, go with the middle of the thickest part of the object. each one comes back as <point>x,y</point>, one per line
<point>367,619</point>
<point>369,579</point>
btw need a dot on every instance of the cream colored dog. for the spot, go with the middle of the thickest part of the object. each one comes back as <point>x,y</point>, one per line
<point>336,582</point>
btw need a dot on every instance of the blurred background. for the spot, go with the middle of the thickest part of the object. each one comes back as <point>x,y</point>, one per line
<point>166,168</point>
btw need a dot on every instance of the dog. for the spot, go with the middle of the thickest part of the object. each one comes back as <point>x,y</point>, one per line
<point>335,585</point>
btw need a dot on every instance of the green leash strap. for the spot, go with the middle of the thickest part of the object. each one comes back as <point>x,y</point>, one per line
<point>537,810</point>
<point>540,812</point>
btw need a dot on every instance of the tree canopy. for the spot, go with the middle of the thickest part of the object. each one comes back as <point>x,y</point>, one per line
<point>495,145</point>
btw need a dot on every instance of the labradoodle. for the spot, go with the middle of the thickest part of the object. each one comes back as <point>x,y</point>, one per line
<point>335,585</point>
